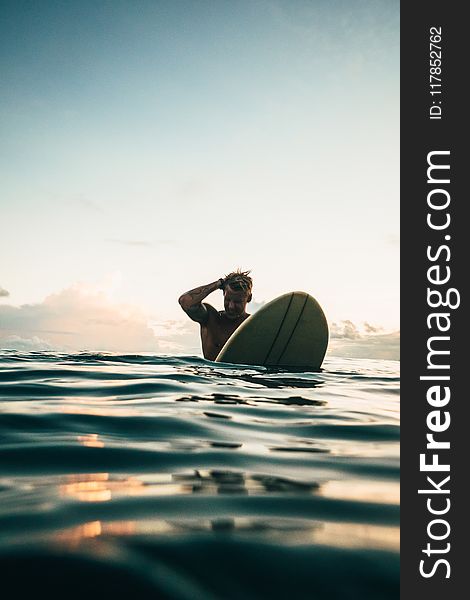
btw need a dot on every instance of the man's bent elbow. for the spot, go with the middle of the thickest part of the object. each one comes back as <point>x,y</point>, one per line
<point>183,302</point>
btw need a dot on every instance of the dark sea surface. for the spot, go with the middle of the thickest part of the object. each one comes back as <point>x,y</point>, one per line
<point>174,477</point>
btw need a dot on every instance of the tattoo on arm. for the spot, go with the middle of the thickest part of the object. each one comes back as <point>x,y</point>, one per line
<point>191,302</point>
<point>204,291</point>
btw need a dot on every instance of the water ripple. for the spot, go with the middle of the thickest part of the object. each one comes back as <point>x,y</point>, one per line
<point>145,467</point>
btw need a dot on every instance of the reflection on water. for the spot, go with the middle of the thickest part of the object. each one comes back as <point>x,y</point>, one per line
<point>91,488</point>
<point>91,440</point>
<point>230,482</point>
<point>182,478</point>
<point>253,401</point>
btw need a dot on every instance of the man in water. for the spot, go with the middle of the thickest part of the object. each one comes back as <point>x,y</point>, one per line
<point>218,326</point>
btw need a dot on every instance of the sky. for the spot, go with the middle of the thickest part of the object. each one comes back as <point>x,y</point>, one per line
<point>149,147</point>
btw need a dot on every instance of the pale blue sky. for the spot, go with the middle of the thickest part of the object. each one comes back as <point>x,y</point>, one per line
<point>158,145</point>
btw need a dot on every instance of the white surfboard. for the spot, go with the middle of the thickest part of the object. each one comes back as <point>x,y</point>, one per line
<point>289,331</point>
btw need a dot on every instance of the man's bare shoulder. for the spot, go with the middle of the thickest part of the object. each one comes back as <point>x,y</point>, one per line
<point>211,312</point>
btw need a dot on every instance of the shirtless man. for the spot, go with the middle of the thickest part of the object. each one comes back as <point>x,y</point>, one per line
<point>218,326</point>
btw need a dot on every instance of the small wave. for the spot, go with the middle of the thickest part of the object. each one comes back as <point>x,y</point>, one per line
<point>150,466</point>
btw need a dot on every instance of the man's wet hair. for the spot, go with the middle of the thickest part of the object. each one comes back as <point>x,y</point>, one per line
<point>239,281</point>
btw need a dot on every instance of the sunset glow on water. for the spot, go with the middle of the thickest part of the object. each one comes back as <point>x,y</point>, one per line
<point>128,462</point>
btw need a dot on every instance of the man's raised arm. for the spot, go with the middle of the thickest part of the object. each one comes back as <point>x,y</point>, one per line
<point>191,302</point>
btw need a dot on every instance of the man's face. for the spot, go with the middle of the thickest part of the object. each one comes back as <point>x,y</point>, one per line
<point>235,302</point>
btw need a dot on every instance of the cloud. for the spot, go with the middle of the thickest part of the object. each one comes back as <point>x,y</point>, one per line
<point>345,330</point>
<point>85,318</point>
<point>15,342</point>
<point>253,306</point>
<point>371,328</point>
<point>3,292</point>
<point>177,336</point>
<point>77,318</point>
<point>347,340</point>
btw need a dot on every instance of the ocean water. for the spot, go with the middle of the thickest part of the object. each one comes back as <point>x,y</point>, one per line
<point>175,477</point>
